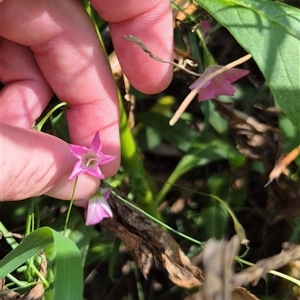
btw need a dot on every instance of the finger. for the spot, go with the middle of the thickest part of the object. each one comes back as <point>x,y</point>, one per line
<point>69,55</point>
<point>151,22</point>
<point>44,168</point>
<point>26,92</point>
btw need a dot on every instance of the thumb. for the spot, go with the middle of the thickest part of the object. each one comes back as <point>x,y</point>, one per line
<point>34,163</point>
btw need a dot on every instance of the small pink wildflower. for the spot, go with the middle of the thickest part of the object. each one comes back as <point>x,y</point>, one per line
<point>96,208</point>
<point>219,85</point>
<point>90,159</point>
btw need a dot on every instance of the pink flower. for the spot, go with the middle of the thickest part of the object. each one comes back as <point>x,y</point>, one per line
<point>96,208</point>
<point>90,159</point>
<point>218,85</point>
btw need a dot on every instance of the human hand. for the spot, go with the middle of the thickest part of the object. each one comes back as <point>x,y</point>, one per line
<point>51,46</point>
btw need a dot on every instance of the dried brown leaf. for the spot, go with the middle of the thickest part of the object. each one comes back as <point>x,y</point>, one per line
<point>7,294</point>
<point>254,139</point>
<point>149,244</point>
<point>180,273</point>
<point>241,293</point>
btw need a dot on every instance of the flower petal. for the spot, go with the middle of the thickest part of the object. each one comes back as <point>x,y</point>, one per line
<point>105,193</point>
<point>97,210</point>
<point>207,93</point>
<point>95,172</point>
<point>198,81</point>
<point>77,170</point>
<point>96,143</point>
<point>78,151</point>
<point>222,86</point>
<point>104,159</point>
<point>234,74</point>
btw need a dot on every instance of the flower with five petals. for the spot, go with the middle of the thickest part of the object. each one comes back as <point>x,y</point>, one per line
<point>218,85</point>
<point>89,159</point>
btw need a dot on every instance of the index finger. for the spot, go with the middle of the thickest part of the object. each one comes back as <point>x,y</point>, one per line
<point>151,22</point>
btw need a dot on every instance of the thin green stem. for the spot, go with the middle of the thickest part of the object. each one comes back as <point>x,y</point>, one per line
<point>8,237</point>
<point>16,281</point>
<point>39,126</point>
<point>70,207</point>
<point>30,221</point>
<point>207,56</point>
<point>13,280</point>
<point>133,165</point>
<point>88,8</point>
<point>38,274</point>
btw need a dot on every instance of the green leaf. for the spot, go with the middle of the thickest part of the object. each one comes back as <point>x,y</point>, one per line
<point>68,267</point>
<point>270,32</point>
<point>31,245</point>
<point>204,150</point>
<point>68,280</point>
<point>59,124</point>
<point>148,138</point>
<point>215,220</point>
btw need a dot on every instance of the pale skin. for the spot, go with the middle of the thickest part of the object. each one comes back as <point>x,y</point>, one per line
<point>51,47</point>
